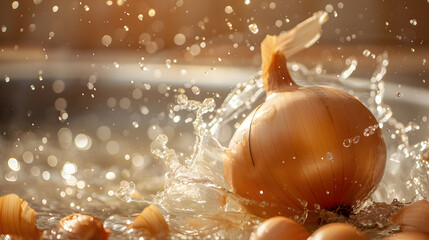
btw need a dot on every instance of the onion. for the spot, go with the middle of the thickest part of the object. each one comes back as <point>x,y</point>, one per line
<point>304,147</point>
<point>337,231</point>
<point>17,218</point>
<point>279,228</point>
<point>414,217</point>
<point>151,222</point>
<point>84,227</point>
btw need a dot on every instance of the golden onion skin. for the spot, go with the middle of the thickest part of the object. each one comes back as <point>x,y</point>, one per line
<point>298,147</point>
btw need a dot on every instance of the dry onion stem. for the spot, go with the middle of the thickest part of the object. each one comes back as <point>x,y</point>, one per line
<point>304,147</point>
<point>84,227</point>
<point>17,218</point>
<point>151,222</point>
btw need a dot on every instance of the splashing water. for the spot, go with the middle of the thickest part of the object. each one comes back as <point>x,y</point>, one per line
<point>198,203</point>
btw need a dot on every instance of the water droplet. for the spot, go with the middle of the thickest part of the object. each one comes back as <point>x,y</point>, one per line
<point>182,99</point>
<point>162,139</point>
<point>55,9</point>
<point>151,12</point>
<point>6,78</point>
<point>116,64</point>
<point>329,156</point>
<point>86,7</point>
<point>261,192</point>
<point>316,206</point>
<point>229,24</point>
<point>126,28</point>
<point>3,28</point>
<point>15,4</point>
<point>195,90</point>
<point>366,53</point>
<point>347,142</point>
<point>135,124</point>
<point>229,10</point>
<point>356,139</point>
<point>398,94</point>
<point>253,28</point>
<point>106,40</point>
<point>32,87</point>
<point>413,22</point>
<point>140,17</point>
<point>327,192</point>
<point>329,8</point>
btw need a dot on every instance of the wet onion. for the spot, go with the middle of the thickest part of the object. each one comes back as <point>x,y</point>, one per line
<point>304,147</point>
<point>17,218</point>
<point>84,227</point>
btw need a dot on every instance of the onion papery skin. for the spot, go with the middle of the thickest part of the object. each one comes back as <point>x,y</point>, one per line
<point>296,149</point>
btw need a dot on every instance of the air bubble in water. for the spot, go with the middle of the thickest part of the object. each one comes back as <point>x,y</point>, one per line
<point>247,2</point>
<point>140,17</point>
<point>55,9</point>
<point>6,78</point>
<point>413,22</point>
<point>253,28</point>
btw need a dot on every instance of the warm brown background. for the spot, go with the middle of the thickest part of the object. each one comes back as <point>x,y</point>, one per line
<point>375,25</point>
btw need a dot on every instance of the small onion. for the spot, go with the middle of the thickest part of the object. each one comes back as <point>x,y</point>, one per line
<point>414,217</point>
<point>408,236</point>
<point>17,218</point>
<point>84,227</point>
<point>304,144</point>
<point>337,231</point>
<point>279,228</point>
<point>151,222</point>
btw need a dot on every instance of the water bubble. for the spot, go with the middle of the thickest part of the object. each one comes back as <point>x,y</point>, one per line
<point>253,28</point>
<point>140,17</point>
<point>55,9</point>
<point>116,64</point>
<point>106,40</point>
<point>3,28</point>
<point>15,4</point>
<point>347,142</point>
<point>228,10</point>
<point>126,28</point>
<point>6,78</point>
<point>413,22</point>
<point>229,24</point>
<point>110,175</point>
<point>37,2</point>
<point>366,53</point>
<point>135,124</point>
<point>32,87</point>
<point>246,2</point>
<point>327,192</point>
<point>278,23</point>
<point>195,90</point>
<point>86,7</point>
<point>356,139</point>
